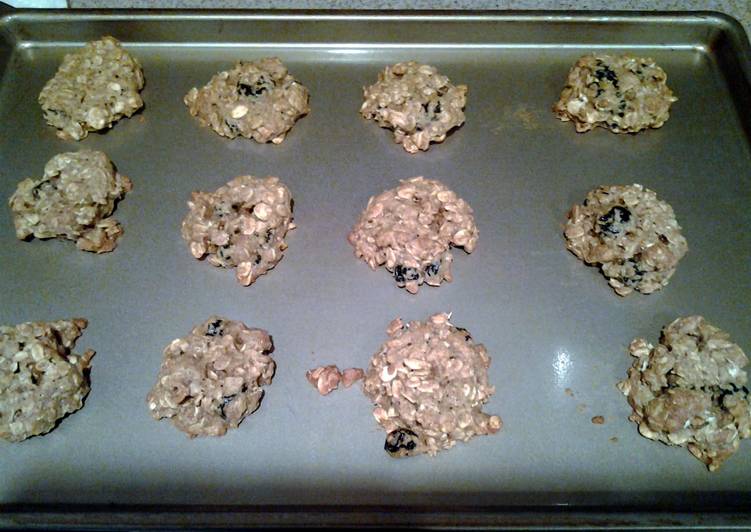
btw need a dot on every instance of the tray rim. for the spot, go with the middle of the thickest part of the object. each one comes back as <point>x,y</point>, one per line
<point>730,37</point>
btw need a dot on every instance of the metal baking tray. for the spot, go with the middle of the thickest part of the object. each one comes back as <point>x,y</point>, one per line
<point>549,322</point>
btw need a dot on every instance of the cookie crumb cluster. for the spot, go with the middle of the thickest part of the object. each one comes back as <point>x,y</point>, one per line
<point>258,100</point>
<point>624,94</point>
<point>690,390</point>
<point>41,379</point>
<point>326,379</point>
<point>241,225</point>
<point>74,200</point>
<point>93,88</point>
<point>420,104</point>
<point>632,235</point>
<point>428,382</point>
<point>410,229</point>
<point>210,380</point>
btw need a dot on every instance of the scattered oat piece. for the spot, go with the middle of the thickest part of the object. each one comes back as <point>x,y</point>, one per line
<point>352,375</point>
<point>258,100</point>
<point>326,379</point>
<point>241,225</point>
<point>92,89</point>
<point>212,379</point>
<point>41,379</point>
<point>633,236</point>
<point>614,439</point>
<point>598,420</point>
<point>625,94</point>
<point>428,383</point>
<point>73,199</point>
<point>690,390</point>
<point>569,392</point>
<point>411,228</point>
<point>417,102</point>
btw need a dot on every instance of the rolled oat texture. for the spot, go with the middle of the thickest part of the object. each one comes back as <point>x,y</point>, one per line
<point>241,225</point>
<point>41,379</point>
<point>258,100</point>
<point>93,88</point>
<point>630,234</point>
<point>624,94</point>
<point>428,383</point>
<point>326,379</point>
<point>74,200</point>
<point>690,390</point>
<point>213,378</point>
<point>410,229</point>
<point>417,102</point>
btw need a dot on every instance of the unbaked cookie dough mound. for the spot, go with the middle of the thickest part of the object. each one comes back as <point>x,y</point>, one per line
<point>212,379</point>
<point>73,200</point>
<point>690,390</point>
<point>420,104</point>
<point>241,225</point>
<point>410,229</point>
<point>429,382</point>
<point>41,379</point>
<point>257,100</point>
<point>633,236</point>
<point>93,88</point>
<point>622,93</point>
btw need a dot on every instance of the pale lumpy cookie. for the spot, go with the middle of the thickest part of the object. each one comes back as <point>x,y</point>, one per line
<point>624,94</point>
<point>410,229</point>
<point>41,379</point>
<point>429,382</point>
<point>420,104</point>
<point>258,100</point>
<point>212,379</point>
<point>241,225</point>
<point>633,236</point>
<point>690,390</point>
<point>74,200</point>
<point>93,88</point>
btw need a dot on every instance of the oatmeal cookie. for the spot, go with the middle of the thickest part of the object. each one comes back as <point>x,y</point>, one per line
<point>73,200</point>
<point>41,379</point>
<point>241,225</point>
<point>630,234</point>
<point>429,382</point>
<point>417,102</point>
<point>410,229</point>
<point>690,390</point>
<point>212,379</point>
<point>257,100</point>
<point>93,88</point>
<point>623,93</point>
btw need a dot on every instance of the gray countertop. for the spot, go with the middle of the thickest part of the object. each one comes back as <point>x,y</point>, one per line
<point>739,9</point>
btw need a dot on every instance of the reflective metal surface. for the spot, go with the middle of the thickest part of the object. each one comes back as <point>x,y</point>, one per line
<point>549,322</point>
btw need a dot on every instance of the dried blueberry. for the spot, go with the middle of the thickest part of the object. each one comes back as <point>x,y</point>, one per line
<point>215,328</point>
<point>400,442</point>
<point>465,332</point>
<point>255,89</point>
<point>604,72</point>
<point>227,399</point>
<point>432,268</point>
<point>405,273</point>
<point>611,223</point>
<point>637,277</point>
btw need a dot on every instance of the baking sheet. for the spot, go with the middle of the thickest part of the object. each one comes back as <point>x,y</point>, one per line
<point>549,322</point>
